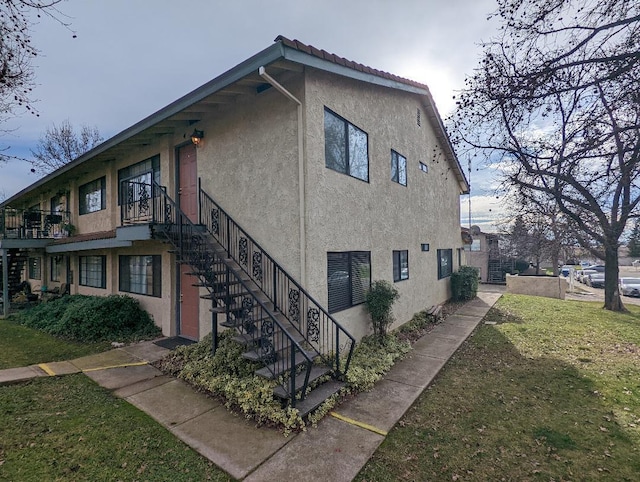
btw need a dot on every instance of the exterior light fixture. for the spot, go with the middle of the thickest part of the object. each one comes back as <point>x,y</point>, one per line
<point>196,137</point>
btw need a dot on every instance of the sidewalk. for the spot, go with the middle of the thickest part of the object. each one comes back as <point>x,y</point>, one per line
<point>336,450</point>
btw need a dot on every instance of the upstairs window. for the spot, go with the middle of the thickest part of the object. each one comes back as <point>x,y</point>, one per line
<point>346,147</point>
<point>398,168</point>
<point>93,196</point>
<point>400,265</point>
<point>140,174</point>
<point>348,279</point>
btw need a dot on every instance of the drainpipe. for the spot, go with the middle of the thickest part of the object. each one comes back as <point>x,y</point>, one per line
<point>301,187</point>
<point>5,283</point>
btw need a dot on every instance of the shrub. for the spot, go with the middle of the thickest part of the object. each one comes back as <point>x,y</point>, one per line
<point>379,302</point>
<point>464,283</point>
<point>91,318</point>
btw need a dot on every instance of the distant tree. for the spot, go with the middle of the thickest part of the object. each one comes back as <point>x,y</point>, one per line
<point>62,144</point>
<point>16,53</point>
<point>556,103</point>
<point>634,241</point>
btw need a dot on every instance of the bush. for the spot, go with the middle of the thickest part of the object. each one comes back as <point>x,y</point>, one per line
<point>91,318</point>
<point>464,283</point>
<point>379,301</point>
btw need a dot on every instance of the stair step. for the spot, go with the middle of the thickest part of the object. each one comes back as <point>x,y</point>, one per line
<point>216,296</point>
<point>247,340</point>
<point>274,370</point>
<point>316,372</point>
<point>238,307</point>
<point>317,396</point>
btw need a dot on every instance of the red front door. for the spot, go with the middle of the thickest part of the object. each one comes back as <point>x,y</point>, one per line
<point>188,200</point>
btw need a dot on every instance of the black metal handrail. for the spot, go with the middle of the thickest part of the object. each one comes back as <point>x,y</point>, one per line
<point>253,317</point>
<point>34,223</point>
<point>136,202</point>
<point>323,333</point>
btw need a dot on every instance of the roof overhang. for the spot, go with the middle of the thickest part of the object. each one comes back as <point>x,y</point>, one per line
<point>280,51</point>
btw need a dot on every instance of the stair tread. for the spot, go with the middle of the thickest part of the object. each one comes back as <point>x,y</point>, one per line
<point>317,396</point>
<point>316,372</point>
<point>246,339</point>
<point>215,296</point>
<point>274,370</point>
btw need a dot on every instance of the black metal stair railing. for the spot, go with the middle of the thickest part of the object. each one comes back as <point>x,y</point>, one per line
<point>321,331</point>
<point>33,223</point>
<point>239,298</point>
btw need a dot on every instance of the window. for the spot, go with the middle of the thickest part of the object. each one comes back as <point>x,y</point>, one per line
<point>348,279</point>
<point>56,265</point>
<point>424,167</point>
<point>398,168</point>
<point>345,147</point>
<point>400,265</point>
<point>418,115</point>
<point>475,245</point>
<point>141,274</point>
<point>142,172</point>
<point>93,271</point>
<point>445,262</point>
<point>93,196</point>
<point>35,269</point>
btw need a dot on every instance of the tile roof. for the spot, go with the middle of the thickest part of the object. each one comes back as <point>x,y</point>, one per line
<point>323,54</point>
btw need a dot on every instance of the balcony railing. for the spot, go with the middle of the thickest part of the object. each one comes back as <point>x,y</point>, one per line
<point>33,224</point>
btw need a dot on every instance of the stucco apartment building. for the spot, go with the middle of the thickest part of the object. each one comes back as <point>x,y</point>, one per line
<point>295,161</point>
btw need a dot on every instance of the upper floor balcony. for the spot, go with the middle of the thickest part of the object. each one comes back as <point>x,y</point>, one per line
<point>27,224</point>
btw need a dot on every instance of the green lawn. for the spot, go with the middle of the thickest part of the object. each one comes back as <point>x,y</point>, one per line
<point>551,392</point>
<point>71,429</point>
<point>21,346</point>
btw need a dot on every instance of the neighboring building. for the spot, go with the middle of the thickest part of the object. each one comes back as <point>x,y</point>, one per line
<point>339,173</point>
<point>485,253</point>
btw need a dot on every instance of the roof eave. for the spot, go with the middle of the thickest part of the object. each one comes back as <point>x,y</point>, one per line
<point>266,56</point>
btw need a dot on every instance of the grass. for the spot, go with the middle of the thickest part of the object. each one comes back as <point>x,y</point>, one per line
<point>550,392</point>
<point>71,429</point>
<point>22,346</point>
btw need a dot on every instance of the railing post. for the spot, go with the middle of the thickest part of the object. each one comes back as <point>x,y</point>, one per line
<point>228,246</point>
<point>275,286</point>
<point>200,200</point>
<point>337,351</point>
<point>214,328</point>
<point>292,376</point>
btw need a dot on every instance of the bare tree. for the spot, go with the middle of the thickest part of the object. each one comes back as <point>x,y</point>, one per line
<point>16,53</point>
<point>556,101</point>
<point>62,144</point>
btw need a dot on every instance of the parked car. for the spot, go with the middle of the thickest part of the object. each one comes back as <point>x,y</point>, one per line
<point>596,267</point>
<point>566,270</point>
<point>585,274</point>
<point>630,286</point>
<point>595,280</point>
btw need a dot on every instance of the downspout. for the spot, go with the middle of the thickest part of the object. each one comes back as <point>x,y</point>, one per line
<point>301,186</point>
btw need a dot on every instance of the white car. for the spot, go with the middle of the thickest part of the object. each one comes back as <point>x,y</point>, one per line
<point>630,286</point>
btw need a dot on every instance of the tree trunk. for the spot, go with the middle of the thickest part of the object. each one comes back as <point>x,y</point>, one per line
<point>612,300</point>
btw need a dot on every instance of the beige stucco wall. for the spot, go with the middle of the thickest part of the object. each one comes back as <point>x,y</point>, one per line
<point>248,163</point>
<point>547,286</point>
<point>347,214</point>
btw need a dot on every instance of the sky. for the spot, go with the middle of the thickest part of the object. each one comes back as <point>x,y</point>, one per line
<point>133,57</point>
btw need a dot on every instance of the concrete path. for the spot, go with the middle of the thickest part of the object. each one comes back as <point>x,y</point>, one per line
<point>336,450</point>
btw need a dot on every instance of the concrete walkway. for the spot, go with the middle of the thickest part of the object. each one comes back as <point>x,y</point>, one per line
<point>336,450</point>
